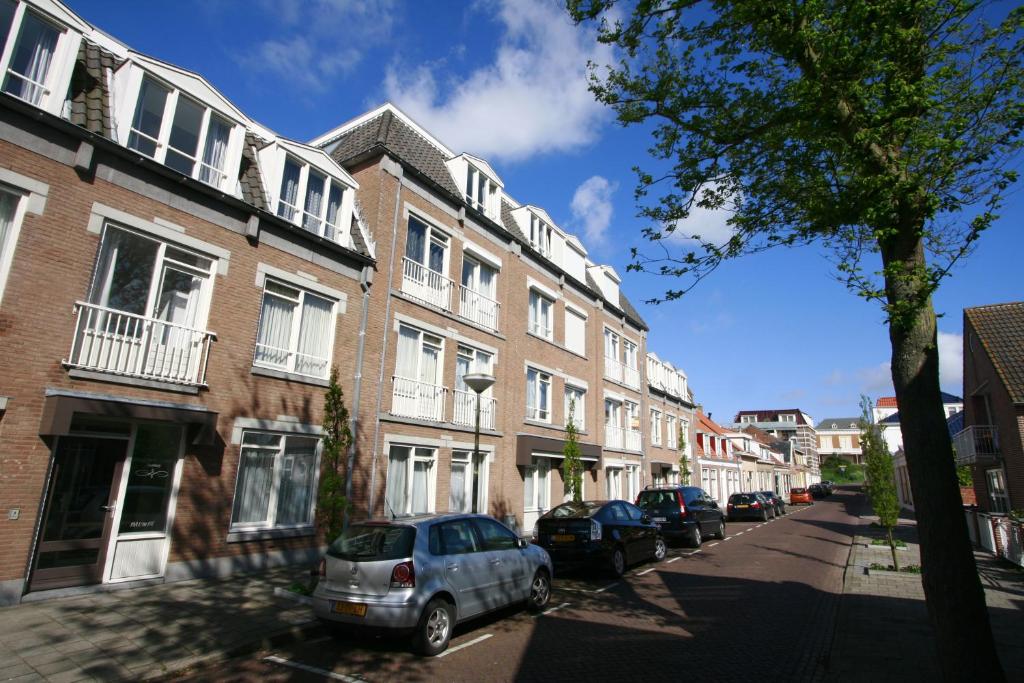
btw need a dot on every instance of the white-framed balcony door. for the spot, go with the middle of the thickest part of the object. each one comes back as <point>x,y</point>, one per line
<point>536,491</point>
<point>176,349</point>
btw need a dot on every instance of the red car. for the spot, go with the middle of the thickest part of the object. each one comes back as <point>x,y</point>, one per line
<point>797,496</point>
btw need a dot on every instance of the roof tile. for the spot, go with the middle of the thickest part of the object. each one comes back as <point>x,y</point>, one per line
<point>1000,328</point>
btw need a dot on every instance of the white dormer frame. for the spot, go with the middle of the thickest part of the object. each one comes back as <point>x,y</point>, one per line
<point>180,85</point>
<point>54,86</point>
<point>470,173</point>
<point>273,159</point>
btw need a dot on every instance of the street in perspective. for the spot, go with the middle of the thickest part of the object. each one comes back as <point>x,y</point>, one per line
<point>510,341</point>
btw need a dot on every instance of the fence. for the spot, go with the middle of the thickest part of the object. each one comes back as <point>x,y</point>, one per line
<point>997,534</point>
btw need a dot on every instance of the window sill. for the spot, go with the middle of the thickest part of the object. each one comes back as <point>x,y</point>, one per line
<point>266,534</point>
<point>76,373</point>
<point>542,423</point>
<point>290,376</point>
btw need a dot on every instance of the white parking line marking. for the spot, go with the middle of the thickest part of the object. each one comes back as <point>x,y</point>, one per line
<point>693,552</point>
<point>646,571</point>
<point>551,609</point>
<point>712,545</point>
<point>674,559</point>
<point>727,538</point>
<point>314,670</point>
<point>466,644</point>
<point>610,585</point>
<point>741,533</point>
<point>587,590</point>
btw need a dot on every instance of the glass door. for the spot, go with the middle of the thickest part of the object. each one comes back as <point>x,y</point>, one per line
<point>79,513</point>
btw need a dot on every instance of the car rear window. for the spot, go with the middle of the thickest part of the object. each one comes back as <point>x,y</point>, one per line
<point>371,542</point>
<point>798,490</point>
<point>742,498</point>
<point>657,499</point>
<point>585,509</point>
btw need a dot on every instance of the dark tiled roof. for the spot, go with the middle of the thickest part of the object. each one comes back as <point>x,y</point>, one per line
<point>893,419</point>
<point>386,132</point>
<point>630,311</point>
<point>950,398</point>
<point>773,415</point>
<point>955,423</point>
<point>356,232</point>
<point>249,174</point>
<point>1000,328</point>
<point>510,223</point>
<point>89,92</point>
<point>840,423</point>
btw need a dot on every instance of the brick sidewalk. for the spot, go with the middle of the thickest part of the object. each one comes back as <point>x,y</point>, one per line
<point>148,632</point>
<point>882,631</point>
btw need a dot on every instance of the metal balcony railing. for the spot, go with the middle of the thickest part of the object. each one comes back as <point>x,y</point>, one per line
<point>465,410</point>
<point>977,444</point>
<point>614,437</point>
<point>634,442</point>
<point>478,308</point>
<point>427,285</point>
<point>120,343</point>
<point>412,398</point>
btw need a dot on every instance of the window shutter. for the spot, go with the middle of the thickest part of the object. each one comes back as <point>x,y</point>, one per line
<point>575,332</point>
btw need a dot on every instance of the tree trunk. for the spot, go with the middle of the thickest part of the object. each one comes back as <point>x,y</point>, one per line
<point>956,601</point>
<point>892,549</point>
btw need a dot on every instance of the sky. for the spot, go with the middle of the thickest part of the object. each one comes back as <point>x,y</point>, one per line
<point>505,80</point>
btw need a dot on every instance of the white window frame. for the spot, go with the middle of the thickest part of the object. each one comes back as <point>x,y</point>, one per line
<point>417,453</point>
<point>631,414</point>
<point>484,205</point>
<point>540,235</point>
<point>538,300</point>
<point>787,418</point>
<point>298,215</point>
<point>614,416</point>
<point>631,475</point>
<point>293,340</point>
<point>475,285</point>
<point>671,432</point>
<point>59,71</point>
<point>613,475</point>
<point>539,413</point>
<point>539,470</point>
<point>612,345</point>
<point>466,457</point>
<point>271,522</point>
<point>579,408</point>
<point>424,338</point>
<point>432,235</point>
<point>579,346</point>
<point>655,427</point>
<point>630,354</point>
<point>10,241</point>
<point>995,482</point>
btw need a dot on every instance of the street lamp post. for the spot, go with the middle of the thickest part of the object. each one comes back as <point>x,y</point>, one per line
<point>479,382</point>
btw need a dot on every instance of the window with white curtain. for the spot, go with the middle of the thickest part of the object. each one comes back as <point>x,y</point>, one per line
<point>296,331</point>
<point>576,398</point>
<point>655,427</point>
<point>632,476</point>
<point>471,361</point>
<point>409,489</point>
<point>427,246</point>
<point>613,483</point>
<point>538,395</point>
<point>671,432</point>
<point>178,131</point>
<point>536,485</point>
<point>540,315</point>
<point>419,356</point>
<point>481,192</point>
<point>11,213</point>
<point>540,235</point>
<point>468,485</point>
<point>36,41</point>
<point>611,345</point>
<point>629,354</point>
<point>321,199</point>
<point>575,332</point>
<point>276,483</point>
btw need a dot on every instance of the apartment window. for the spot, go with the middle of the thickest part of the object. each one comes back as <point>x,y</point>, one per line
<point>480,191</point>
<point>27,74</point>
<point>419,355</point>
<point>997,491</point>
<point>467,361</point>
<point>629,352</point>
<point>575,332</point>
<point>538,395</point>
<point>844,442</point>
<point>179,132</point>
<point>655,427</point>
<point>426,264</point>
<point>611,345</point>
<point>540,235</point>
<point>787,418</point>
<point>410,483</point>
<point>11,214</point>
<point>576,400</point>
<point>477,296</point>
<point>632,416</point>
<point>296,331</point>
<point>321,198</point>
<point>276,482</point>
<point>671,433</point>
<point>536,485</point>
<point>612,413</point>
<point>748,419</point>
<point>632,475</point>
<point>468,485</point>
<point>684,434</point>
<point>540,315</point>
<point>613,483</point>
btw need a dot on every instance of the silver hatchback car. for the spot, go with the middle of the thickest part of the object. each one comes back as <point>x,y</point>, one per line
<point>425,574</point>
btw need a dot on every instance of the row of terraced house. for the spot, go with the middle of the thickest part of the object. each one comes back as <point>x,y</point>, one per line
<point>177,283</point>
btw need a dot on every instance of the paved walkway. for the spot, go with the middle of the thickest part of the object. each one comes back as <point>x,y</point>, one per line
<point>883,633</point>
<point>148,632</point>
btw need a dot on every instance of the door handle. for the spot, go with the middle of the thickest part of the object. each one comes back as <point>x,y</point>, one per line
<point>107,508</point>
<point>453,567</point>
<point>495,561</point>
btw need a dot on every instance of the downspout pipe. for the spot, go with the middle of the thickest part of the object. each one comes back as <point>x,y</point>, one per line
<point>365,282</point>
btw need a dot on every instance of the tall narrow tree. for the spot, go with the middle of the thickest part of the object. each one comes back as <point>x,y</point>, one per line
<point>881,482</point>
<point>331,504</point>
<point>572,464</point>
<point>883,130</point>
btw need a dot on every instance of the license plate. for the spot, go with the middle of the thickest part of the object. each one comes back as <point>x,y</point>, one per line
<point>742,506</point>
<point>350,608</point>
<point>660,519</point>
<point>563,538</point>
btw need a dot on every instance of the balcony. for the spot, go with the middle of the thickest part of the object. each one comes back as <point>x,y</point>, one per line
<point>622,373</point>
<point>634,442</point>
<point>129,345</point>
<point>412,398</point>
<point>478,308</point>
<point>465,410</point>
<point>977,445</point>
<point>631,377</point>
<point>427,285</point>
<point>614,437</point>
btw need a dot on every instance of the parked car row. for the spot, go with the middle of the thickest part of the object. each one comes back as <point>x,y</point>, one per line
<point>758,505</point>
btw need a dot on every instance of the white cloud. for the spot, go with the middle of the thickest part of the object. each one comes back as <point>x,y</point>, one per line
<point>877,380</point>
<point>592,208</point>
<point>951,361</point>
<point>531,100</point>
<point>709,225</point>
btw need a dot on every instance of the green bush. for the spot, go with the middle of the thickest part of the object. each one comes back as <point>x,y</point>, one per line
<point>840,471</point>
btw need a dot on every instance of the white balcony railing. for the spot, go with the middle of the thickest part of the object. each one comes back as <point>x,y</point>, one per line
<point>613,369</point>
<point>631,377</point>
<point>427,285</point>
<point>977,443</point>
<point>633,440</point>
<point>465,410</point>
<point>119,343</point>
<point>614,437</point>
<point>412,398</point>
<point>478,308</point>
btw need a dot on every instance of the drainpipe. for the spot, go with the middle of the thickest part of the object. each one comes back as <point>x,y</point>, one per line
<point>365,281</point>
<point>394,168</point>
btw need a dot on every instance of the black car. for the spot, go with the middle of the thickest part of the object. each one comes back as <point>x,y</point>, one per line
<point>776,501</point>
<point>828,486</point>
<point>817,491</point>
<point>612,534</point>
<point>683,512</point>
<point>750,506</point>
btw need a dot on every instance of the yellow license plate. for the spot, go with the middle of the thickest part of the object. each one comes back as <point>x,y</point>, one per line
<point>563,538</point>
<point>350,608</point>
<point>742,506</point>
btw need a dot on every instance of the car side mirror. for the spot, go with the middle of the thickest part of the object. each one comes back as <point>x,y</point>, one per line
<point>645,518</point>
<point>522,543</point>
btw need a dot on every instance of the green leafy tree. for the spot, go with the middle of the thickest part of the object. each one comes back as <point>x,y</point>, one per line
<point>684,459</point>
<point>882,130</point>
<point>332,506</point>
<point>880,477</point>
<point>572,465</point>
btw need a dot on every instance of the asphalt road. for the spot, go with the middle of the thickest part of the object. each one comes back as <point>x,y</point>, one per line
<point>760,605</point>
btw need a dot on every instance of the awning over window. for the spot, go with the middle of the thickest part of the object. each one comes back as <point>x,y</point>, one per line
<point>60,407</point>
<point>659,467</point>
<point>529,446</point>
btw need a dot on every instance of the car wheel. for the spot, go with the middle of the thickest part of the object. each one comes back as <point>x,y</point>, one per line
<point>618,564</point>
<point>720,534</point>
<point>659,549</point>
<point>540,591</point>
<point>697,538</point>
<point>434,629</point>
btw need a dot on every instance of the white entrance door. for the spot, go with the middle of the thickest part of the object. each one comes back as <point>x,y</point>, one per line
<point>536,491</point>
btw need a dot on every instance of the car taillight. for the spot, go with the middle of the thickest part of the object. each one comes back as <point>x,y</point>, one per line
<point>403,575</point>
<point>682,505</point>
<point>756,505</point>
<point>322,569</point>
<point>595,530</point>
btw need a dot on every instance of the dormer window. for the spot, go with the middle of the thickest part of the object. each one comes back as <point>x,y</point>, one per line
<point>540,235</point>
<point>479,191</point>
<point>787,418</point>
<point>181,133</point>
<point>27,71</point>
<point>321,203</point>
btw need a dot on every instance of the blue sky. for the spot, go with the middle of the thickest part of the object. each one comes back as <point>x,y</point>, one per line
<point>505,81</point>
